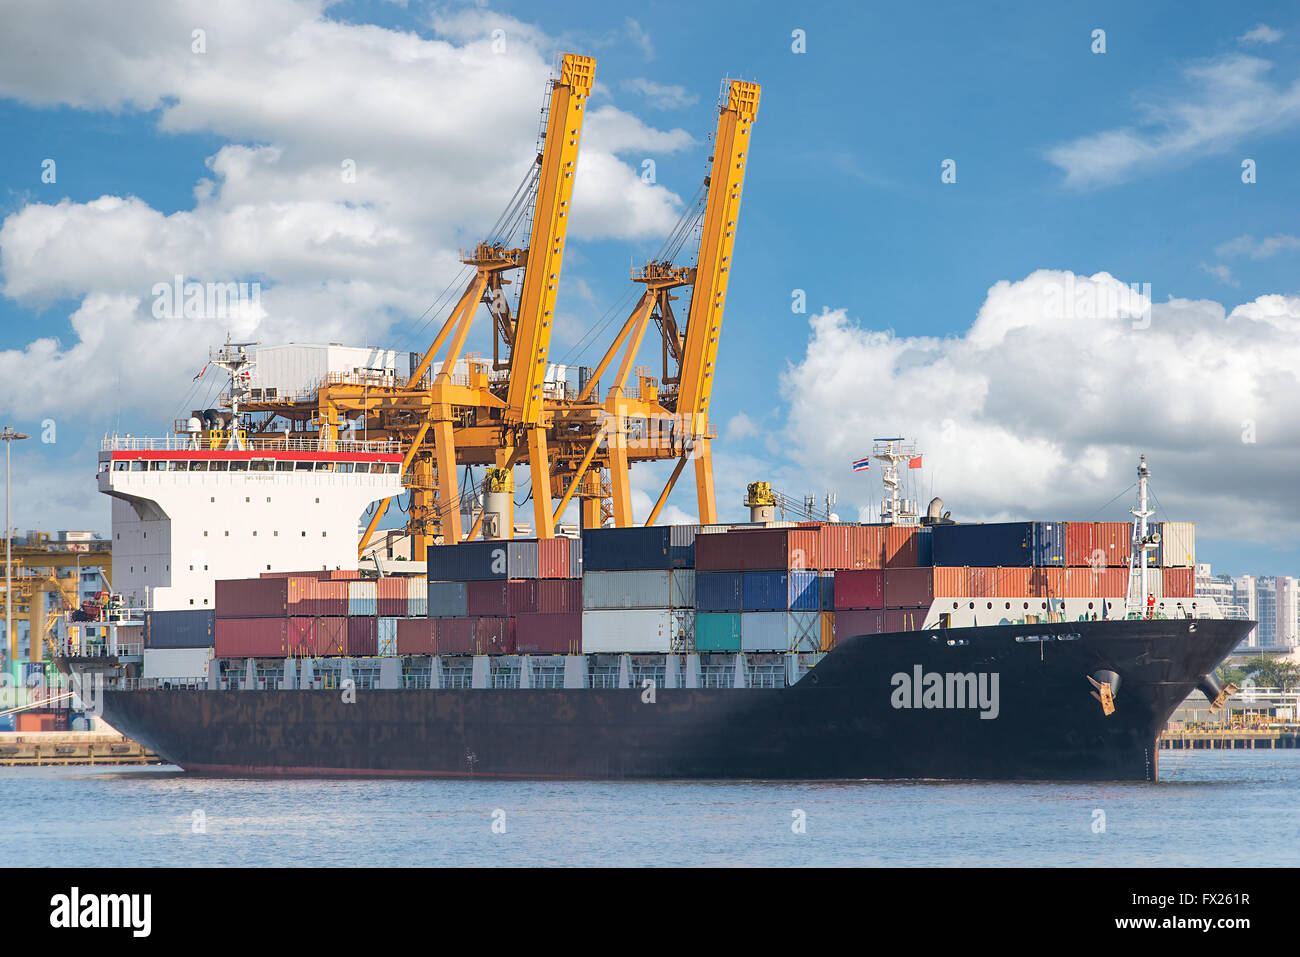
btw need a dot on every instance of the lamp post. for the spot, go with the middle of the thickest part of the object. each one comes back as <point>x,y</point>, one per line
<point>9,437</point>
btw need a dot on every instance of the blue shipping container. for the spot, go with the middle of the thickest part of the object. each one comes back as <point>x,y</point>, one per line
<point>178,629</point>
<point>826,600</point>
<point>925,547</point>
<point>990,545</point>
<point>447,600</point>
<point>718,591</point>
<point>640,548</point>
<point>764,591</point>
<point>482,561</point>
<point>1049,544</point>
<point>8,722</point>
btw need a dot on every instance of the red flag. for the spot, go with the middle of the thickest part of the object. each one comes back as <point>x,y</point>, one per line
<point>201,371</point>
<point>914,463</point>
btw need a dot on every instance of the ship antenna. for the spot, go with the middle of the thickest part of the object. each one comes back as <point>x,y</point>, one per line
<point>895,509</point>
<point>234,358</point>
<point>1143,543</point>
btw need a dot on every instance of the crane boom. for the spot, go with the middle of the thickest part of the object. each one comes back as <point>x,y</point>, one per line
<point>704,320</point>
<point>536,316</point>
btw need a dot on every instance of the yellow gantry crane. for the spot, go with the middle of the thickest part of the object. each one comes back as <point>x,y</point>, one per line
<point>671,417</point>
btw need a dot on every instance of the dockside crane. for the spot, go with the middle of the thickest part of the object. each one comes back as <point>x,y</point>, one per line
<point>666,419</point>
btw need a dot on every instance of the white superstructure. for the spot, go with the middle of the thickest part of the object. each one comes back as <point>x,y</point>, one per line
<point>184,516</point>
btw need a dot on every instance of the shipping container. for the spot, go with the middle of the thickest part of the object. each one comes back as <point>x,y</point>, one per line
<point>909,587</point>
<point>326,598</point>
<point>553,558</point>
<point>1180,582</point>
<point>521,597</point>
<point>864,588</point>
<point>8,722</point>
<point>362,599</point>
<point>575,558</point>
<point>175,663</point>
<point>253,597</point>
<point>482,561</point>
<point>29,722</point>
<point>1008,544</point>
<point>637,630</point>
<point>826,591</point>
<point>363,637</point>
<point>758,549</point>
<point>1049,543</point>
<point>659,588</point>
<point>639,548</point>
<point>795,590</point>
<point>331,637</point>
<point>803,631</point>
<point>455,636</point>
<point>1087,582</point>
<point>718,591</point>
<point>851,546</point>
<point>1177,544</point>
<point>851,623</point>
<point>447,599</point>
<point>417,597</point>
<point>415,636</point>
<point>559,596</point>
<point>764,631</point>
<point>925,546</point>
<point>1047,583</point>
<point>1081,544</point>
<point>300,637</point>
<point>714,631</point>
<point>494,636</point>
<point>828,630</point>
<point>899,547</point>
<point>1003,583</point>
<point>393,596</point>
<point>546,633</point>
<point>387,637</point>
<point>904,619</point>
<point>251,637</point>
<point>1155,582</point>
<point>178,629</point>
<point>487,598</point>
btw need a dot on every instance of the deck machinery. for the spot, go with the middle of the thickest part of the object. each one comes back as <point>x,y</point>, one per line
<point>502,413</point>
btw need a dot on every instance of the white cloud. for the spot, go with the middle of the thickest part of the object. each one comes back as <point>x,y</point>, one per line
<point>1223,101</point>
<point>660,95</point>
<point>1257,249</point>
<point>1220,272</point>
<point>1029,414</point>
<point>1261,34</point>
<point>640,38</point>
<point>740,426</point>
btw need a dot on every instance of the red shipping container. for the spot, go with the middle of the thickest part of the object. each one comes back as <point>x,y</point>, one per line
<point>494,636</point>
<point>553,557</point>
<point>851,546</point>
<point>29,722</point>
<point>331,636</point>
<point>393,594</point>
<point>253,597</point>
<point>859,589</point>
<point>521,597</point>
<point>559,596</point>
<point>363,636</point>
<point>1080,543</point>
<point>904,619</point>
<point>761,549</point>
<point>250,637</point>
<point>849,624</point>
<point>548,634</point>
<point>909,587</point>
<point>455,636</point>
<point>1180,582</point>
<point>300,638</point>
<point>486,598</point>
<point>1112,540</point>
<point>900,547</point>
<point>415,636</point>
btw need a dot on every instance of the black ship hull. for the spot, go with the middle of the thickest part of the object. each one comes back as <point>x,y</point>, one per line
<point>872,708</point>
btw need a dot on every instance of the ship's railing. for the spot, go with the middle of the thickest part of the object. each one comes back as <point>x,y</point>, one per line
<point>102,649</point>
<point>187,682</point>
<point>218,441</point>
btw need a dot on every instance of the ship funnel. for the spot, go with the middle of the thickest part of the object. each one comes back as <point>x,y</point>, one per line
<point>1215,692</point>
<point>935,511</point>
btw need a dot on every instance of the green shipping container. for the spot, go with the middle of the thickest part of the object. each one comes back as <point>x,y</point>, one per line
<point>717,631</point>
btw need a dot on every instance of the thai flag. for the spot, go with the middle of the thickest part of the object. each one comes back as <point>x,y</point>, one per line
<point>861,465</point>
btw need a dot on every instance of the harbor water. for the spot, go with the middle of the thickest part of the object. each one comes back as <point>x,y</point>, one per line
<point>1231,808</point>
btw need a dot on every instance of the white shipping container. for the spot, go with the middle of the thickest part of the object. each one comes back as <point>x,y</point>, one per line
<point>803,631</point>
<point>764,631</point>
<point>637,631</point>
<point>176,662</point>
<point>296,370</point>
<point>655,589</point>
<point>363,599</point>
<point>1178,544</point>
<point>387,637</point>
<point>417,597</point>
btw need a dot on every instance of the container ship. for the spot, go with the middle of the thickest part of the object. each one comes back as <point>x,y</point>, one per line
<point>249,639</point>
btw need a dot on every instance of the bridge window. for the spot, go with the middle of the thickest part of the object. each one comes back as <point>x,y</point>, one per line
<point>302,466</point>
<point>199,465</point>
<point>239,466</point>
<point>157,466</point>
<point>284,466</point>
<point>218,465</point>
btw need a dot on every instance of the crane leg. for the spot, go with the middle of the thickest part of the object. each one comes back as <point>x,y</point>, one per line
<point>620,481</point>
<point>704,482</point>
<point>540,468</point>
<point>448,488</point>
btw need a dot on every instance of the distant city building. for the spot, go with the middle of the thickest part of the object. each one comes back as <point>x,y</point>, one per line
<point>1273,601</point>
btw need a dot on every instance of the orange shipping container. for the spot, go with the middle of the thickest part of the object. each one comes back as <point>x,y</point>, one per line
<point>851,547</point>
<point>1111,539</point>
<point>952,581</point>
<point>1080,542</point>
<point>899,547</point>
<point>828,630</point>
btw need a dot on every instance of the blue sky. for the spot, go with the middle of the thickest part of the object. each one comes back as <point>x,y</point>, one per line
<point>843,199</point>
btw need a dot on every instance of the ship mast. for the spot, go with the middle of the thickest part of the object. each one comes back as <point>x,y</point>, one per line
<point>234,358</point>
<point>1143,543</point>
<point>895,509</point>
